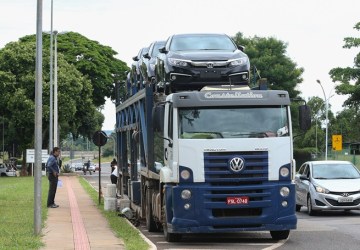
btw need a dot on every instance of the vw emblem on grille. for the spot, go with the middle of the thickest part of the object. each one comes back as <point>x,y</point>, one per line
<point>236,164</point>
<point>345,194</point>
<point>210,65</point>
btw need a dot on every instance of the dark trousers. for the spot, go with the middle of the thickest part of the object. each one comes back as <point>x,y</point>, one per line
<point>113,179</point>
<point>53,181</point>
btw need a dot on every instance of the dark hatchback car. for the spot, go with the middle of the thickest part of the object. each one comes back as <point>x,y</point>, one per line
<point>192,61</point>
<point>147,67</point>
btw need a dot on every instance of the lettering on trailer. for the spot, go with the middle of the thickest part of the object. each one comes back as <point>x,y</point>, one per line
<point>228,95</point>
<point>214,149</point>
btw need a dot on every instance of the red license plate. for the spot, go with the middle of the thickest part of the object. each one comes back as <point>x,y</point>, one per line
<point>237,200</point>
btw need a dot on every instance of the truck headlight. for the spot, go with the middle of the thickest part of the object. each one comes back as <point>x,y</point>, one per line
<point>186,194</point>
<point>185,174</point>
<point>284,172</point>
<point>284,191</point>
<point>178,62</point>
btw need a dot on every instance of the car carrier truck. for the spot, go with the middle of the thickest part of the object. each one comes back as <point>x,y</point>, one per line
<point>210,161</point>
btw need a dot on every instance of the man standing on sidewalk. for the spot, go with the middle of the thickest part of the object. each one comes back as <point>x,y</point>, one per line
<point>53,170</point>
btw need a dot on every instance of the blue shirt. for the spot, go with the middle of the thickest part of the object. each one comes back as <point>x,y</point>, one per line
<point>52,165</point>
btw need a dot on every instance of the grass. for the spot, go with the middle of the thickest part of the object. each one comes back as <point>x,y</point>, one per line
<point>119,225</point>
<point>17,212</point>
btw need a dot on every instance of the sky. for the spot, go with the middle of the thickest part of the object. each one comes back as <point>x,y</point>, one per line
<point>314,30</point>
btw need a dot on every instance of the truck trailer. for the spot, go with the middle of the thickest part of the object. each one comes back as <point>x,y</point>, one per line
<point>219,160</point>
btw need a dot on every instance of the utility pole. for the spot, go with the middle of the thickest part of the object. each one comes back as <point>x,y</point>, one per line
<point>38,121</point>
<point>51,125</point>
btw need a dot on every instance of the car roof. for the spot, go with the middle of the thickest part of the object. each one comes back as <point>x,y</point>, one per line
<point>200,34</point>
<point>328,162</point>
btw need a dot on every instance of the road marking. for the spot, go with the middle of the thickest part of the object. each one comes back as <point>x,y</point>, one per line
<point>279,244</point>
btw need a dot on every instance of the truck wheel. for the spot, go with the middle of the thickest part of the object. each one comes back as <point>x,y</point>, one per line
<point>150,222</point>
<point>169,237</point>
<point>298,207</point>
<point>280,235</point>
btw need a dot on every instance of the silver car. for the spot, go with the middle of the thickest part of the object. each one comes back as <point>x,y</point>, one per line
<point>327,185</point>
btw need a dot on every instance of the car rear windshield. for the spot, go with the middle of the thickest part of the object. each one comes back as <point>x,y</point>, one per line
<point>202,42</point>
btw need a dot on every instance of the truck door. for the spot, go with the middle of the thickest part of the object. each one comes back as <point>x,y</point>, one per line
<point>168,133</point>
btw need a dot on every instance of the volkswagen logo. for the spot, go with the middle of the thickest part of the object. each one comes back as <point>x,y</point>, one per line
<point>236,164</point>
<point>210,65</point>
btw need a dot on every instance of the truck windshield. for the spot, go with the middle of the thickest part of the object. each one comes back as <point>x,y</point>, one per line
<point>233,122</point>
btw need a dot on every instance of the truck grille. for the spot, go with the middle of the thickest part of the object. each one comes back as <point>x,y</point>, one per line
<point>251,182</point>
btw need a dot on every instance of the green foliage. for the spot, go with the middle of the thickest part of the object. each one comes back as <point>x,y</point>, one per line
<point>86,71</point>
<point>17,213</point>
<point>268,55</point>
<point>96,62</point>
<point>346,124</point>
<point>302,155</point>
<point>349,77</point>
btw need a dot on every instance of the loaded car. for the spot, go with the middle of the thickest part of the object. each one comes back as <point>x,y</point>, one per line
<point>135,76</point>
<point>192,61</point>
<point>147,67</point>
<point>327,185</point>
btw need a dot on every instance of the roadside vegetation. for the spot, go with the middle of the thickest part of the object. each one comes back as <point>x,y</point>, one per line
<point>118,224</point>
<point>17,213</point>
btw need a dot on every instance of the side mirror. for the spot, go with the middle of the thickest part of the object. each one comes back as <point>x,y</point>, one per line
<point>240,47</point>
<point>163,50</point>
<point>135,58</point>
<point>303,177</point>
<point>147,56</point>
<point>158,118</point>
<point>304,117</point>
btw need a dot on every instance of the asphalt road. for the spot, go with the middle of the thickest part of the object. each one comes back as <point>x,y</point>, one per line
<point>328,230</point>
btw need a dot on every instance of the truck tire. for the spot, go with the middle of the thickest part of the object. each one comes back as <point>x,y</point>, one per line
<point>150,222</point>
<point>280,235</point>
<point>169,237</point>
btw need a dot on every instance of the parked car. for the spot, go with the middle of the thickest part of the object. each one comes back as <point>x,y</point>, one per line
<point>135,76</point>
<point>327,185</point>
<point>147,68</point>
<point>76,166</point>
<point>7,170</point>
<point>192,61</point>
<point>92,167</point>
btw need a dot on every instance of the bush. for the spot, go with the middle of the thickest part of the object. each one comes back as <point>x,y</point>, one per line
<point>302,155</point>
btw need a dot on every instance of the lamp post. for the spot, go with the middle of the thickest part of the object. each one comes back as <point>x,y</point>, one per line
<point>55,92</point>
<point>326,123</point>
<point>51,84</point>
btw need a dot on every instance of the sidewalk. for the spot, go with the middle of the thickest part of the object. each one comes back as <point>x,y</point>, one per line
<point>77,223</point>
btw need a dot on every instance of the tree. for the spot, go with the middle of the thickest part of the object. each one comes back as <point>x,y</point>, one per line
<point>345,123</point>
<point>96,62</point>
<point>349,77</point>
<point>77,113</point>
<point>268,57</point>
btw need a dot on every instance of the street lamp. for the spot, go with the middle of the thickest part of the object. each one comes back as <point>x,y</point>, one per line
<point>51,84</point>
<point>327,121</point>
<point>55,92</point>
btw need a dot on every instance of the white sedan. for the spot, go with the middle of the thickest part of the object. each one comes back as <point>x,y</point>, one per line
<point>327,185</point>
<point>7,170</point>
